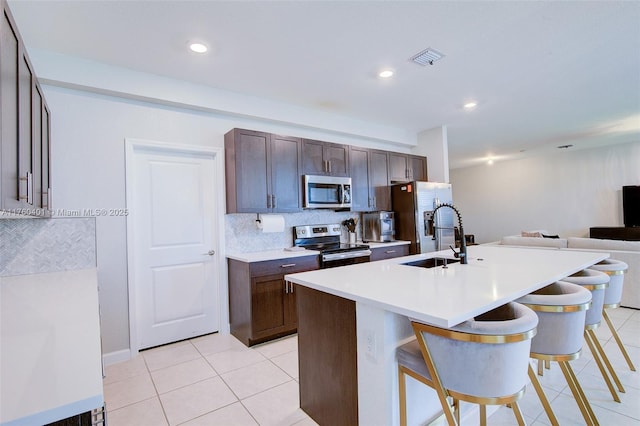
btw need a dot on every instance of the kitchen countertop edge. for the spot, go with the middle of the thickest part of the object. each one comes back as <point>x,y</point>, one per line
<point>278,254</point>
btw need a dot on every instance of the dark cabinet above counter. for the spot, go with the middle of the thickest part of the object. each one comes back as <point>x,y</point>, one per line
<point>369,171</point>
<point>407,167</point>
<point>324,158</point>
<point>264,171</point>
<point>25,184</point>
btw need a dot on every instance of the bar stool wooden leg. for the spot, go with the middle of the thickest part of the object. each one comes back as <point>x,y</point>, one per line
<point>456,409</point>
<point>618,341</point>
<point>542,397</point>
<point>402,396</point>
<point>540,367</point>
<point>437,384</point>
<point>604,357</point>
<point>483,415</point>
<point>603,372</point>
<point>578,394</point>
<point>518,413</point>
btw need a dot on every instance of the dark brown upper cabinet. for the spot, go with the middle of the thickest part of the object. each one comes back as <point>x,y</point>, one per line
<point>262,172</point>
<point>324,158</point>
<point>25,182</point>
<point>369,179</point>
<point>406,167</point>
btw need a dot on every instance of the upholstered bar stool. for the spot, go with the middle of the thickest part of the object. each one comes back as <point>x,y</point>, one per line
<point>596,282</point>
<point>612,297</point>
<point>561,308</point>
<point>482,361</point>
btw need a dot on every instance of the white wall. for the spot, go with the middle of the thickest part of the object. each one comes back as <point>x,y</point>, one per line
<point>565,193</point>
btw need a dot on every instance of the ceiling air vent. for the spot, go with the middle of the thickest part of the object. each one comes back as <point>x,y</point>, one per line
<point>427,57</point>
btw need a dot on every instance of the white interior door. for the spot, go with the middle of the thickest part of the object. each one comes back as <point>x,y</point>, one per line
<point>172,226</point>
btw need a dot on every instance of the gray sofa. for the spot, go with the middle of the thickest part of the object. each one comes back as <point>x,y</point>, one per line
<point>626,251</point>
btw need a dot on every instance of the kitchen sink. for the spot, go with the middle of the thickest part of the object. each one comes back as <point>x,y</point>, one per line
<point>431,262</point>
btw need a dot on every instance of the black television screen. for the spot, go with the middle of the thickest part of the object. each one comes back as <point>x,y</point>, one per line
<point>631,205</point>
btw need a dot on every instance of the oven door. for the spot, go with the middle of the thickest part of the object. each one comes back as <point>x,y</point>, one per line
<point>332,260</point>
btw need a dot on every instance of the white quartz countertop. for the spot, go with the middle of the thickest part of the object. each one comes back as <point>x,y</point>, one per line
<point>50,355</point>
<point>261,256</point>
<point>375,245</point>
<point>448,296</point>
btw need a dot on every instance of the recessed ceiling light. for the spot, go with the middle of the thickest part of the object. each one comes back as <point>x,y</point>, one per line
<point>198,47</point>
<point>385,74</point>
<point>470,105</point>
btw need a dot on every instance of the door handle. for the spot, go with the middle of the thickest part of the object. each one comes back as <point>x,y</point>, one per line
<point>28,178</point>
<point>209,253</point>
<point>288,287</point>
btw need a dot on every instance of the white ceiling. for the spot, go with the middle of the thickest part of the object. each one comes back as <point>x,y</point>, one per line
<point>544,73</point>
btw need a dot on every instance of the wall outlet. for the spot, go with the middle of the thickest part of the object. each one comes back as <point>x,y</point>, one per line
<point>370,344</point>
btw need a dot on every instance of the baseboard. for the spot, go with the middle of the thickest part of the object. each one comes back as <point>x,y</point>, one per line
<point>116,357</point>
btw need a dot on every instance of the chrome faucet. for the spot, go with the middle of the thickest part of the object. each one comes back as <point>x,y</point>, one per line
<point>462,254</point>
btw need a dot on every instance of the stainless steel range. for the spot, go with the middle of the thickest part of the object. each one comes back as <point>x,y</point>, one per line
<point>326,239</point>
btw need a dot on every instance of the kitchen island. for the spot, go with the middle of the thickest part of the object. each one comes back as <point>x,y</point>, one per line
<point>352,319</point>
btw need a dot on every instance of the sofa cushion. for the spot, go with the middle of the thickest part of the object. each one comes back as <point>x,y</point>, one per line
<point>534,242</point>
<point>598,244</point>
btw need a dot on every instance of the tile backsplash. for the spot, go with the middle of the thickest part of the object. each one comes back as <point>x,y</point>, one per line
<point>30,246</point>
<point>243,236</point>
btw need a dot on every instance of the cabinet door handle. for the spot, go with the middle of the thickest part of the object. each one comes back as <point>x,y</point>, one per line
<point>390,251</point>
<point>329,163</point>
<point>268,201</point>
<point>288,287</point>
<point>274,204</point>
<point>288,265</point>
<point>29,196</point>
<point>375,202</point>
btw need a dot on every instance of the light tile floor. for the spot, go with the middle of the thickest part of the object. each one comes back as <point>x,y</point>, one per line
<point>216,380</point>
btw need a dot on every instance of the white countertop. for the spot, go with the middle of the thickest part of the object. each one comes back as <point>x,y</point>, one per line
<point>446,297</point>
<point>50,355</point>
<point>374,245</point>
<point>260,256</point>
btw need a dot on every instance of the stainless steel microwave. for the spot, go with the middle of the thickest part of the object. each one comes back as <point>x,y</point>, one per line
<point>327,192</point>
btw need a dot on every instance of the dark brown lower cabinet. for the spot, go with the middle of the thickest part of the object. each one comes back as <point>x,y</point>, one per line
<point>262,306</point>
<point>328,363</point>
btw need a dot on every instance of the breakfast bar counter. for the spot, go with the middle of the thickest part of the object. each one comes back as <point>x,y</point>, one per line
<point>352,319</point>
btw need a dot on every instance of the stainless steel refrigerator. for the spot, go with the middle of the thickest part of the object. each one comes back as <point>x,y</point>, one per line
<point>413,204</point>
